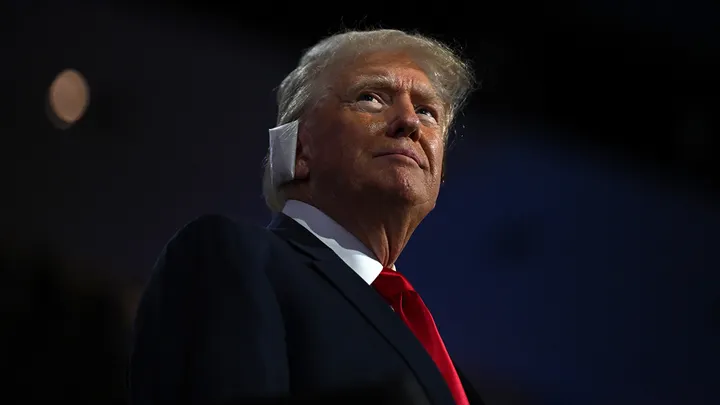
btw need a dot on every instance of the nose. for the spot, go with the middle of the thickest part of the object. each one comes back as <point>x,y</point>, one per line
<point>404,121</point>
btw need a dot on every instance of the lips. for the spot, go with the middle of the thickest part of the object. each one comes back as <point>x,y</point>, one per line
<point>404,152</point>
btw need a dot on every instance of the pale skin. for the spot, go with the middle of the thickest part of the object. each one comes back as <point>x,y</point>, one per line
<point>351,157</point>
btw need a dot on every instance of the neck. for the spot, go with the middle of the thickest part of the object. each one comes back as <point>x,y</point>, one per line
<point>383,227</point>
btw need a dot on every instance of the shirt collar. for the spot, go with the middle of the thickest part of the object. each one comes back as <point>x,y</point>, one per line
<point>350,250</point>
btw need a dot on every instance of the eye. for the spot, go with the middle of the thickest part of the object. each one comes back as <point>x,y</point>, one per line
<point>367,97</point>
<point>369,102</point>
<point>426,111</point>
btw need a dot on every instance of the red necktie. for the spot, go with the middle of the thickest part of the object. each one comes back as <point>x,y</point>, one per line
<point>407,303</point>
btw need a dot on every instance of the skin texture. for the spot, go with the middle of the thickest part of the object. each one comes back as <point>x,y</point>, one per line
<point>350,161</point>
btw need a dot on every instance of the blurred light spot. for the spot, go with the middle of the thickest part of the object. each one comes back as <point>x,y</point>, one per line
<point>68,98</point>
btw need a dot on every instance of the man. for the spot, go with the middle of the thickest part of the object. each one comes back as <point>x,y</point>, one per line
<point>312,307</point>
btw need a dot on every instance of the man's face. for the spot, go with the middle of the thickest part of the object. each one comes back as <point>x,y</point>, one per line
<point>379,131</point>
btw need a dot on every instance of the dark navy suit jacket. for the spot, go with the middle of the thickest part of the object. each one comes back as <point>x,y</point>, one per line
<point>239,314</point>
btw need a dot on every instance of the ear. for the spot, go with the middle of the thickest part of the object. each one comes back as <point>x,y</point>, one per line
<point>303,153</point>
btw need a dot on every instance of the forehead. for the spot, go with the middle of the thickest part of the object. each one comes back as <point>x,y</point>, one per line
<point>397,71</point>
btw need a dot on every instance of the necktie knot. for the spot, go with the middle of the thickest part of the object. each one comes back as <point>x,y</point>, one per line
<point>391,284</point>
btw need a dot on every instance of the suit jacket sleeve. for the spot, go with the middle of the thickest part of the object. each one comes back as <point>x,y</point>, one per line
<point>209,329</point>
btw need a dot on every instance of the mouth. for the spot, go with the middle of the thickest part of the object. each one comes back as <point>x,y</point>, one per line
<point>405,154</point>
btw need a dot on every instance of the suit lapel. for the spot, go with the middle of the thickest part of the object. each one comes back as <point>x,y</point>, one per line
<point>369,304</point>
<point>472,394</point>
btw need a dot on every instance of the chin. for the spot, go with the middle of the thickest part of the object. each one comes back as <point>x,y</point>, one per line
<point>402,188</point>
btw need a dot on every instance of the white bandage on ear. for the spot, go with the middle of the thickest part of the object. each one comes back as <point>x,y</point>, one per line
<point>283,147</point>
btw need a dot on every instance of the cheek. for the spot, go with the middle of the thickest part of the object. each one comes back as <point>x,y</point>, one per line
<point>377,127</point>
<point>436,151</point>
<point>345,144</point>
<point>336,149</point>
<point>351,140</point>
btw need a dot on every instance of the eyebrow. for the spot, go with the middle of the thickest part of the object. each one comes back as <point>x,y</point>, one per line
<point>390,81</point>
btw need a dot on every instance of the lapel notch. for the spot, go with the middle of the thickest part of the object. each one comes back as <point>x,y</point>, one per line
<point>369,304</point>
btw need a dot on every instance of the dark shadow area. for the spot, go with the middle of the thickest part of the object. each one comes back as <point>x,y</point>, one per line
<point>64,339</point>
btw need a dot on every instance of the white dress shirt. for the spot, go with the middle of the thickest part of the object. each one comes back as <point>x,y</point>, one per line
<point>353,252</point>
